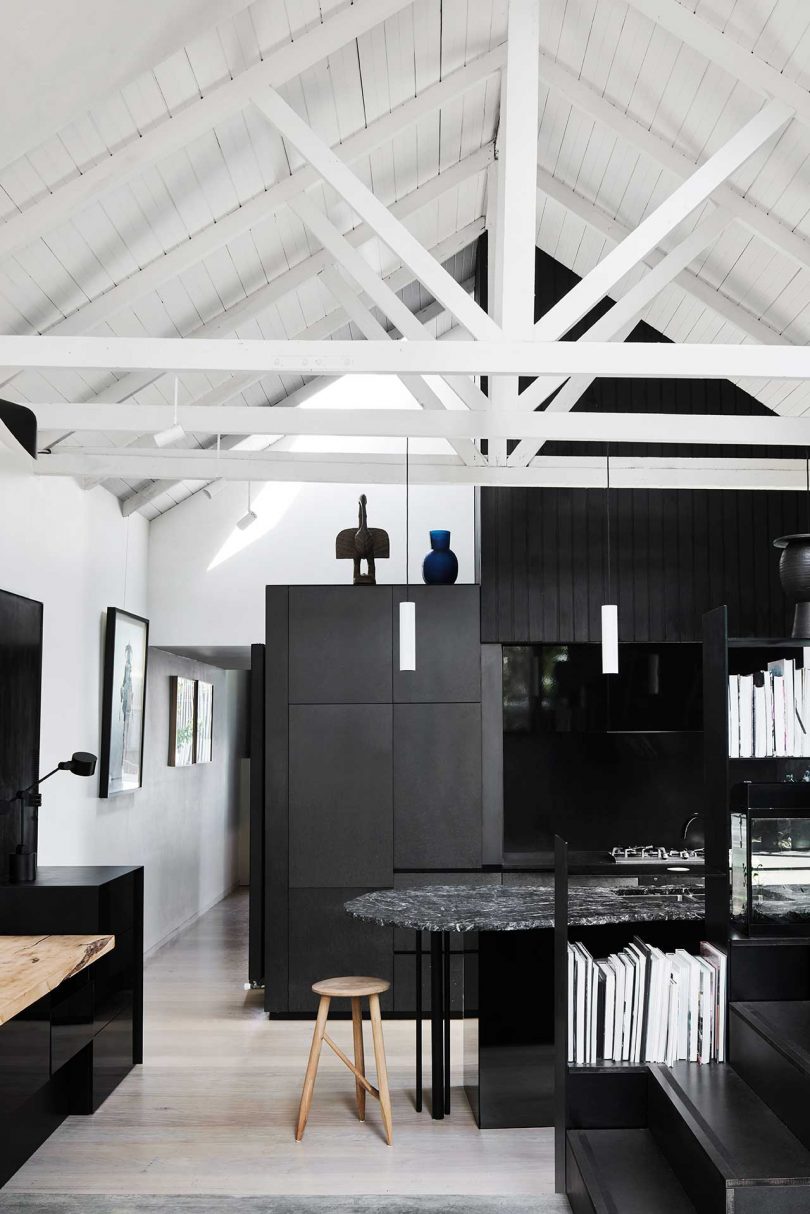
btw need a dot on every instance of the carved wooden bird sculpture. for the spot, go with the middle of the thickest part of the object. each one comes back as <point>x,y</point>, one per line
<point>365,544</point>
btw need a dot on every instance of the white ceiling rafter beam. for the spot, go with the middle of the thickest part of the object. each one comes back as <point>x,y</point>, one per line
<point>691,194</point>
<point>372,330</point>
<point>255,304</point>
<point>261,208</point>
<point>580,427</point>
<point>641,360</point>
<point>716,46</point>
<point>377,289</point>
<point>281,65</point>
<point>234,386</point>
<point>588,101</point>
<point>385,224</point>
<point>615,231</point>
<point>516,197</point>
<point>617,324</point>
<point>351,468</point>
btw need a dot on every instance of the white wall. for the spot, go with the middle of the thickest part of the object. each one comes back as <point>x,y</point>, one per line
<point>72,550</point>
<point>205,589</point>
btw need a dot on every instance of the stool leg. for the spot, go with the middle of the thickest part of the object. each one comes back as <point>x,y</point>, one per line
<point>312,1066</point>
<point>382,1073</point>
<point>359,1056</point>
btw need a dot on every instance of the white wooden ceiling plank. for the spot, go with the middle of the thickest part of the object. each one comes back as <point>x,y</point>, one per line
<point>192,297</point>
<point>373,70</point>
<point>55,282</point>
<point>223,274</point>
<point>206,58</point>
<point>320,110</point>
<point>592,248</point>
<point>176,80</point>
<point>710,118</point>
<point>240,157</point>
<point>52,163</point>
<point>785,164</point>
<point>131,227</point>
<point>158,206</point>
<point>631,51</point>
<point>156,314</point>
<point>613,187</point>
<point>454,34</point>
<point>189,201</point>
<point>268,146</point>
<point>602,40</point>
<point>782,31</point>
<point>212,176</point>
<point>557,113</point>
<point>239,43</point>
<point>145,102</point>
<point>789,302</point>
<point>574,34</point>
<point>347,88</point>
<point>80,261</point>
<point>302,15</point>
<point>21,182</point>
<point>114,124</point>
<point>83,142</point>
<point>578,135</point>
<point>247,263</point>
<point>270,24</point>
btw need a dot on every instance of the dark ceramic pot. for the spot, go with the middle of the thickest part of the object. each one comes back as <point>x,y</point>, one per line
<point>794,574</point>
<point>440,566</point>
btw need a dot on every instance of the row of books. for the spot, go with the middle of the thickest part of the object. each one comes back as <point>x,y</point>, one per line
<point>769,712</point>
<point>643,1005</point>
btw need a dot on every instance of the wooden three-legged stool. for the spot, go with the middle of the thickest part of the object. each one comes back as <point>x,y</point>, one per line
<point>354,989</point>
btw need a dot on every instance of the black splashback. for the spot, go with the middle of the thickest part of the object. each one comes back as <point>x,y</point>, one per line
<point>20,683</point>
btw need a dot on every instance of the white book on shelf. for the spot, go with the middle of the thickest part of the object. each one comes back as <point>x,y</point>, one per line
<point>707,1006</point>
<point>627,1017</point>
<point>580,987</point>
<point>692,994</point>
<point>639,1001</point>
<point>673,980</point>
<point>779,715</point>
<point>746,716</point>
<point>719,962</point>
<point>608,1037</point>
<point>760,722</point>
<point>590,1048</point>
<point>802,706</point>
<point>770,736</point>
<point>791,724</point>
<point>571,1001</point>
<point>734,716</point>
<point>617,965</point>
<point>683,970</point>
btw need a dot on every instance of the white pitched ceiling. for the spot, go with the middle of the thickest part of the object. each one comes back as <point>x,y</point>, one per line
<point>607,174</point>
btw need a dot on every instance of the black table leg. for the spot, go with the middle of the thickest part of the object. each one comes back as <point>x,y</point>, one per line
<point>419,1022</point>
<point>446,947</point>
<point>436,1025</point>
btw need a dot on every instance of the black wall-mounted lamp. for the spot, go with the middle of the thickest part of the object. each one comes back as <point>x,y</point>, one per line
<point>22,863</point>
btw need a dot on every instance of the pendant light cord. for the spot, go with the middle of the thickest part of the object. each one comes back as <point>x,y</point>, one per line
<point>607,518</point>
<point>407,513</point>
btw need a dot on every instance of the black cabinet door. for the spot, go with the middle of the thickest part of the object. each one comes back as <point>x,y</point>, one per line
<point>448,651</point>
<point>341,774</point>
<point>437,785</point>
<point>327,942</point>
<point>340,644</point>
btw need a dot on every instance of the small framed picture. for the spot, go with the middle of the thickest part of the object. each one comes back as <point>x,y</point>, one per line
<point>123,704</point>
<point>204,723</point>
<point>181,721</point>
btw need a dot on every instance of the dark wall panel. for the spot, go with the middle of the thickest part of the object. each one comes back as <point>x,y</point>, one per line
<point>341,828</point>
<point>675,555</point>
<point>437,786</point>
<point>326,942</point>
<point>20,680</point>
<point>340,644</point>
<point>448,664</point>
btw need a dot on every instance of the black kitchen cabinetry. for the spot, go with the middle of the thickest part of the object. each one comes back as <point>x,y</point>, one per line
<point>372,775</point>
<point>68,1051</point>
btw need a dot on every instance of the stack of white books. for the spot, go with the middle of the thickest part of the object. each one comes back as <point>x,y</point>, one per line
<point>643,1005</point>
<point>769,712</point>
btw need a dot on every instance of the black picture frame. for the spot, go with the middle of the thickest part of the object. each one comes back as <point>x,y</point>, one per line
<point>112,782</point>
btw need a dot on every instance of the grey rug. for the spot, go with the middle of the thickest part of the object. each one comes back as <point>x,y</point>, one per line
<point>90,1204</point>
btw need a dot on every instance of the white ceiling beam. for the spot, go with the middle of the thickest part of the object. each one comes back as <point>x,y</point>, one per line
<point>359,468</point>
<point>377,289</point>
<point>615,231</point>
<point>715,46</point>
<point>588,101</point>
<point>437,280</point>
<point>617,324</point>
<point>261,208</point>
<point>516,198</point>
<point>657,226</point>
<point>281,65</point>
<point>372,330</point>
<point>641,360</point>
<point>580,427</point>
<point>258,302</point>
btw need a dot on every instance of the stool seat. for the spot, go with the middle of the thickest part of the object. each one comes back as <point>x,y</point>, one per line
<point>350,988</point>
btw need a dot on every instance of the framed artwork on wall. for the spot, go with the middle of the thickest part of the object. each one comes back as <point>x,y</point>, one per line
<point>181,721</point>
<point>204,723</point>
<point>123,703</point>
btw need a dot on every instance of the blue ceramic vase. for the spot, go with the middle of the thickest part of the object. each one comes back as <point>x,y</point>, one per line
<point>440,566</point>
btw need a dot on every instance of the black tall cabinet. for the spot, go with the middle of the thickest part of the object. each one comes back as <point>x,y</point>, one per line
<point>372,774</point>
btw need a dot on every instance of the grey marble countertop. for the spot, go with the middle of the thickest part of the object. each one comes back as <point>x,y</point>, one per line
<point>509,908</point>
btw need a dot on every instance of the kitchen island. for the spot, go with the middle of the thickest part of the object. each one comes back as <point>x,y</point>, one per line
<point>508,977</point>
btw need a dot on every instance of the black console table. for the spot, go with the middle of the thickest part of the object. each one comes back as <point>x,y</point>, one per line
<point>68,1051</point>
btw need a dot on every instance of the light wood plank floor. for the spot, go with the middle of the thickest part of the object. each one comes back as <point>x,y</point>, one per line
<point>213,1108</point>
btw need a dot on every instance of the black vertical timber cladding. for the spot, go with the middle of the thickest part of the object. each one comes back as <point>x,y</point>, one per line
<point>675,555</point>
<point>277,796</point>
<point>257,843</point>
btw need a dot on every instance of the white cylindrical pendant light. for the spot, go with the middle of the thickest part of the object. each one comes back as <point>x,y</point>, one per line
<point>610,638</point>
<point>407,636</point>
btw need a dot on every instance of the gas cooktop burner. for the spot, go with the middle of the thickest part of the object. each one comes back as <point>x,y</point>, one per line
<point>666,856</point>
